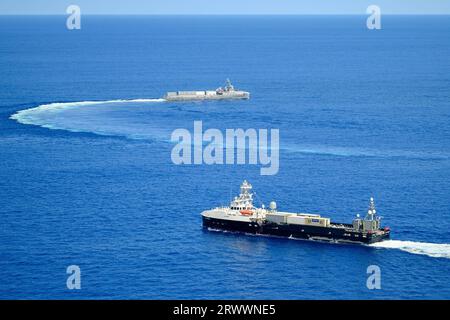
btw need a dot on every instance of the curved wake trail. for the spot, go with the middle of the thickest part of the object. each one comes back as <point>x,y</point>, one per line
<point>372,153</point>
<point>60,115</point>
<point>26,116</point>
<point>435,250</point>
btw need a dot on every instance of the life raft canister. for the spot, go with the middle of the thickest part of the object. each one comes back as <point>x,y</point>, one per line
<point>246,212</point>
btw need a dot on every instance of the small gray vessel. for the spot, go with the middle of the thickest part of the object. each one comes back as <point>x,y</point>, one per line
<point>227,92</point>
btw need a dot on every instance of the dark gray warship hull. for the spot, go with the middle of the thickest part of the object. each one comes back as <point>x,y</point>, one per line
<point>338,234</point>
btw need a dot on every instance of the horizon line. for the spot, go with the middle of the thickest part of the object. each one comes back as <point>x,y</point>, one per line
<point>224,14</point>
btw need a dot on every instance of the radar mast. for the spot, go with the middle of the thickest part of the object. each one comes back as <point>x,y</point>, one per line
<point>245,198</point>
<point>229,87</point>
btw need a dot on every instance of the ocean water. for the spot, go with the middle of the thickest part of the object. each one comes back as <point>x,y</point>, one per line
<point>86,176</point>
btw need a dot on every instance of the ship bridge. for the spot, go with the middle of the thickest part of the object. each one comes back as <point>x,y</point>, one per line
<point>245,198</point>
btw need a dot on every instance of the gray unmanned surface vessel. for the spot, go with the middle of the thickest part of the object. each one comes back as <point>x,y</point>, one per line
<point>227,92</point>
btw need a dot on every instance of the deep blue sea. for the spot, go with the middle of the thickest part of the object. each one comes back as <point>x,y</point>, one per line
<point>360,113</point>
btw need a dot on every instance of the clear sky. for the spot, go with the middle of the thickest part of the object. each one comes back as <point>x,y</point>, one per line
<point>225,6</point>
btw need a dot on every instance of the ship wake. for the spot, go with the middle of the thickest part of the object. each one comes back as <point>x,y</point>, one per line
<point>128,118</point>
<point>366,153</point>
<point>131,118</point>
<point>28,116</point>
<point>435,250</point>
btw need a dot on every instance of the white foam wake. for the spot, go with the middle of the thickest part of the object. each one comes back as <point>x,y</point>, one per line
<point>54,116</point>
<point>364,152</point>
<point>435,250</point>
<point>26,116</point>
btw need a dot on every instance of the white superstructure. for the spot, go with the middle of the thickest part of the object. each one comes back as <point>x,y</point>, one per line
<point>242,209</point>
